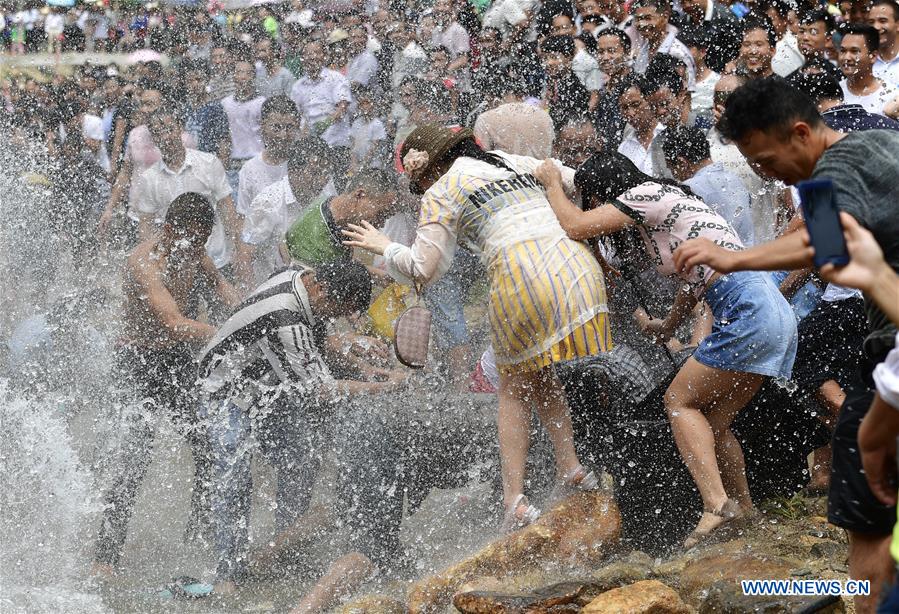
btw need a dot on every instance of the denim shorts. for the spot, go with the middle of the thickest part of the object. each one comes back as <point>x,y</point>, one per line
<point>754,329</point>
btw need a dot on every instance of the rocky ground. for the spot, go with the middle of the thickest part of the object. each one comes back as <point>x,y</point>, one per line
<point>788,539</point>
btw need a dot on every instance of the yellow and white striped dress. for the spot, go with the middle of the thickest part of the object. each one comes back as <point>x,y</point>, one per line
<point>547,294</point>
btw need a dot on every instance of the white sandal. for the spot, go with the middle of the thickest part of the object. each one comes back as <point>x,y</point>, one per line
<point>514,520</point>
<point>579,481</point>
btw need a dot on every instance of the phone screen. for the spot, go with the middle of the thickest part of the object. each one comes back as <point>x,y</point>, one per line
<point>822,218</point>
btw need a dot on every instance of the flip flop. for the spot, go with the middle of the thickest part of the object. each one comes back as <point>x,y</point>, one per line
<point>185,587</point>
<point>515,520</point>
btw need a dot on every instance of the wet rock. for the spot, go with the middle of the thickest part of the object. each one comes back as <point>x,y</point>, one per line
<point>541,600</point>
<point>703,572</point>
<point>584,526</point>
<point>635,567</point>
<point>373,604</point>
<point>726,597</point>
<point>646,597</point>
<point>829,550</point>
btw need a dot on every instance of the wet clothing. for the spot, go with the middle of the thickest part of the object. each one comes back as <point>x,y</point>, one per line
<point>547,294</point>
<point>830,343</point>
<point>158,382</point>
<point>852,117</point>
<point>754,329</point>
<point>262,374</point>
<point>314,238</point>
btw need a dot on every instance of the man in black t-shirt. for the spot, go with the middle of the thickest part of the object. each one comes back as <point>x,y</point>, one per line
<point>566,96</point>
<point>782,135</point>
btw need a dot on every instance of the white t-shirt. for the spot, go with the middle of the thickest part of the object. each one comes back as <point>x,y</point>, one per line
<point>633,150</point>
<point>454,37</point>
<point>886,377</point>
<point>318,98</point>
<point>787,57</point>
<point>54,24</point>
<point>873,102</point>
<point>703,97</point>
<point>586,68</point>
<point>888,72</point>
<point>366,134</point>
<point>245,122</point>
<point>256,175</point>
<point>362,68</point>
<point>202,173</point>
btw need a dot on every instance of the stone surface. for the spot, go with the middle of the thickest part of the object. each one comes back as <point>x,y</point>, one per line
<point>827,549</point>
<point>584,526</point>
<point>646,597</point>
<point>373,604</point>
<point>732,567</point>
<point>726,597</point>
<point>541,600</point>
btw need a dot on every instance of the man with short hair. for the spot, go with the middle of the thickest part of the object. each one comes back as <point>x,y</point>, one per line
<point>564,93</point>
<point>221,79</point>
<point>323,96</point>
<point>858,50</point>
<point>163,278</point>
<point>206,121</point>
<point>268,387</point>
<point>244,111</point>
<point>613,50</point>
<point>827,95</point>
<point>787,57</point>
<point>363,65</point>
<point>280,131</point>
<point>182,170</point>
<point>642,124</point>
<point>688,156</point>
<point>884,17</point>
<point>780,132</point>
<point>577,141</point>
<point>272,77</point>
<point>652,34</point>
<point>757,47</point>
<point>815,34</point>
<point>449,33</point>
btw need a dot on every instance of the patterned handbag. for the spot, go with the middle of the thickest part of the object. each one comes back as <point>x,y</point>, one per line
<point>412,335</point>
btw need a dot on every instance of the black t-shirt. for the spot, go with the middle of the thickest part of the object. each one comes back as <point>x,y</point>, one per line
<point>864,168</point>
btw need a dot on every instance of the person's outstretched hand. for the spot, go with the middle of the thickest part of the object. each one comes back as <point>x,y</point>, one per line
<point>703,251</point>
<point>367,237</point>
<point>548,174</point>
<point>866,262</point>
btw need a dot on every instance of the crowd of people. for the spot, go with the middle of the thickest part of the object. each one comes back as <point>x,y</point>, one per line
<point>273,171</point>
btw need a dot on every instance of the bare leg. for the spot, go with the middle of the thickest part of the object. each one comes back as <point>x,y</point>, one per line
<point>831,398</point>
<point>702,401</point>
<point>344,576</point>
<point>517,392</point>
<point>869,559</point>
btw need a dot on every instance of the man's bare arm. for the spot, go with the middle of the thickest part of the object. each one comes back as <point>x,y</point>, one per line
<point>165,308</point>
<point>223,288</point>
<point>786,253</point>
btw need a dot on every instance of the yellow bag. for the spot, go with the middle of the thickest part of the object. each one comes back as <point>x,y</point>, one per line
<point>385,309</point>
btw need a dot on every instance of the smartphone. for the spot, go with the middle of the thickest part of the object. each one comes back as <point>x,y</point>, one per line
<point>822,219</point>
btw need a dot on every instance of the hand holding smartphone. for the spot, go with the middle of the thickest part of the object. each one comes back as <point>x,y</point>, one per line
<point>822,219</point>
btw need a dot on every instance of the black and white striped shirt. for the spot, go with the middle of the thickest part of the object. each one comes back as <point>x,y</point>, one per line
<point>266,345</point>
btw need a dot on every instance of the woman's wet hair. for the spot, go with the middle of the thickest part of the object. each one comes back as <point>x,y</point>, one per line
<point>606,176</point>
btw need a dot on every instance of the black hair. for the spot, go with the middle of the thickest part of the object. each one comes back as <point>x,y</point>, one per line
<point>589,42</point>
<point>662,6</point>
<point>821,65</point>
<point>606,176</point>
<point>685,142</point>
<point>170,107</point>
<point>191,211</point>
<point>890,3</point>
<point>240,52</point>
<point>781,7</point>
<point>663,71</point>
<point>696,36</point>
<point>559,44</point>
<point>638,81</point>
<point>197,65</point>
<point>511,81</point>
<point>375,180</point>
<point>346,282</point>
<point>279,104</point>
<point>767,105</point>
<point>872,38</point>
<point>760,22</point>
<point>308,149</point>
<point>620,34</point>
<point>809,17</point>
<point>468,148</point>
<point>818,86</point>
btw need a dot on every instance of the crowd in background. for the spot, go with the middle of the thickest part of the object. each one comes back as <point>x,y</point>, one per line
<point>292,120</point>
